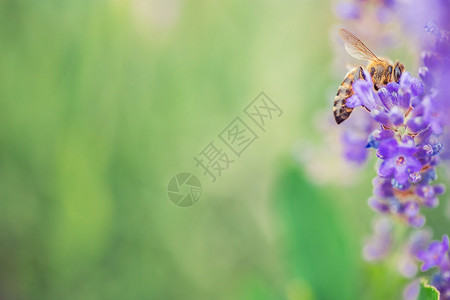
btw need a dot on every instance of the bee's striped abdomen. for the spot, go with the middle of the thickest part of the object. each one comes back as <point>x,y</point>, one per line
<point>340,110</point>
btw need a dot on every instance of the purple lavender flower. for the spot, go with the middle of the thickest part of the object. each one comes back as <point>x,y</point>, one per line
<point>354,139</point>
<point>429,194</point>
<point>399,161</point>
<point>391,105</point>
<point>348,10</point>
<point>405,143</point>
<point>355,147</point>
<point>378,246</point>
<point>411,134</point>
<point>435,254</point>
<point>403,204</point>
<point>412,290</point>
<point>417,242</point>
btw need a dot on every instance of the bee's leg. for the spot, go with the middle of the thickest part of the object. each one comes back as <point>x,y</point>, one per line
<point>360,73</point>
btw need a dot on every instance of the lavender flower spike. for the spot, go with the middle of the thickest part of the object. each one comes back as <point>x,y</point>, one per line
<point>407,126</point>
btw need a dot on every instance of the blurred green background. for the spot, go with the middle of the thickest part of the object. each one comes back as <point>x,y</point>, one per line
<point>102,102</point>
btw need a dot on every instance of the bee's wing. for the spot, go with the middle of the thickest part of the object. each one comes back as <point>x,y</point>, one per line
<point>355,47</point>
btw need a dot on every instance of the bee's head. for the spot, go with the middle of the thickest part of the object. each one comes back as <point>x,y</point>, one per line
<point>398,70</point>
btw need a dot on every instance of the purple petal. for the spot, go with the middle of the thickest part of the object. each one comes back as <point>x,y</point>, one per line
<point>425,191</point>
<point>354,147</point>
<point>417,221</point>
<point>439,189</point>
<point>426,266</point>
<point>381,135</point>
<point>424,136</point>
<point>378,205</point>
<point>418,241</point>
<point>386,98</point>
<point>421,119</point>
<point>380,242</point>
<point>386,169</point>
<point>424,151</point>
<point>445,243</point>
<point>404,94</point>
<point>425,75</point>
<point>380,116</point>
<point>416,87</point>
<point>413,164</point>
<point>392,88</point>
<point>353,102</point>
<point>436,127</point>
<point>382,187</point>
<point>407,147</point>
<point>412,291</point>
<point>422,255</point>
<point>408,142</point>
<point>387,149</point>
<point>431,202</point>
<point>434,247</point>
<point>396,116</point>
<point>407,266</point>
<point>366,94</point>
<point>398,186</point>
<point>411,209</point>
<point>401,175</point>
<point>429,59</point>
<point>417,124</point>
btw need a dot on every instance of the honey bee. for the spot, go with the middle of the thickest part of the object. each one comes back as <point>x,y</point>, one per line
<point>382,71</point>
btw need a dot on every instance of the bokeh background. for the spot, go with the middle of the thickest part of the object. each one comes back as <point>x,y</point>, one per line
<point>102,102</point>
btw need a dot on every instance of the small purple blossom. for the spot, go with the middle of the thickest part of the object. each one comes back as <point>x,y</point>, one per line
<point>354,139</point>
<point>429,194</point>
<point>412,290</point>
<point>391,105</point>
<point>355,147</point>
<point>435,255</point>
<point>398,160</point>
<point>378,246</point>
<point>418,241</point>
<point>406,210</point>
